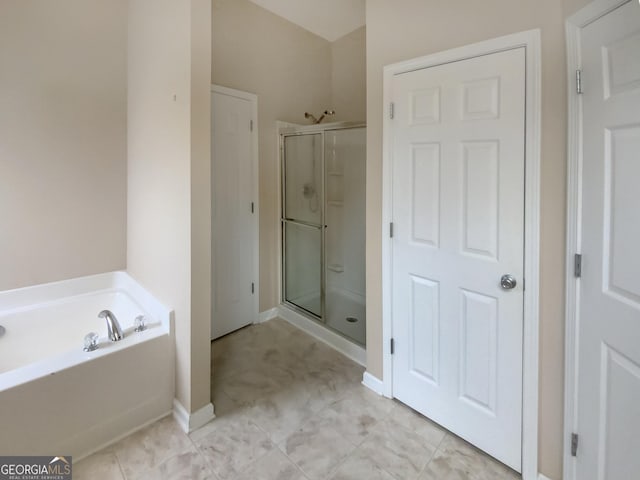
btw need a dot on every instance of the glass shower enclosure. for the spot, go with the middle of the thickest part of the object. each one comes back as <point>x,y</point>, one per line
<point>323,225</point>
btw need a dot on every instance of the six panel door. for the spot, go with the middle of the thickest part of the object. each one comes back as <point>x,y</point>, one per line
<point>608,344</point>
<point>458,212</point>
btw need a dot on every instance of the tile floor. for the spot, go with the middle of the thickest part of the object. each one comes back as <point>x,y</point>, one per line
<point>290,408</point>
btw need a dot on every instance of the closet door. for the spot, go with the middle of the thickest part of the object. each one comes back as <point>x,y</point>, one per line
<point>234,209</point>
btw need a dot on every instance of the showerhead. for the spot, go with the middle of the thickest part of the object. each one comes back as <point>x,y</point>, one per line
<point>318,120</point>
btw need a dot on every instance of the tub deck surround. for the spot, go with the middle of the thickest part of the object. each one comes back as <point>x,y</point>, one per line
<point>57,397</point>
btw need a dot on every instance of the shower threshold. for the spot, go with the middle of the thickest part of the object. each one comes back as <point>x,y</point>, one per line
<point>345,314</point>
<point>315,327</point>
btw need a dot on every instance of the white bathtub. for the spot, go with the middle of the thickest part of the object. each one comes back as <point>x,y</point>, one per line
<point>55,398</point>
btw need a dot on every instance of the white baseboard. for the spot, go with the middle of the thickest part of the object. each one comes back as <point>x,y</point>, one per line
<point>373,383</point>
<point>268,315</point>
<point>542,477</point>
<point>192,421</point>
<point>337,342</point>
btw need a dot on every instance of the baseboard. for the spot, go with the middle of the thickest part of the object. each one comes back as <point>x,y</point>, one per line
<point>542,477</point>
<point>192,421</point>
<point>373,383</point>
<point>337,342</point>
<point>268,315</point>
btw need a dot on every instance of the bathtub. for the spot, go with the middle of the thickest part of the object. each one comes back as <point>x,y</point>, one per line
<point>55,398</point>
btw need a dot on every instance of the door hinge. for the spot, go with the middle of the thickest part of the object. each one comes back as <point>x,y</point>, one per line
<point>574,444</point>
<point>393,347</point>
<point>251,207</point>
<point>253,288</point>
<point>577,265</point>
<point>391,110</point>
<point>578,81</point>
<point>391,230</point>
<point>251,125</point>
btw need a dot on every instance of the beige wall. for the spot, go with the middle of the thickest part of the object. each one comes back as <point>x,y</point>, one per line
<point>405,29</point>
<point>62,139</point>
<point>201,285</point>
<point>168,110</point>
<point>349,76</point>
<point>572,6</point>
<point>290,71</point>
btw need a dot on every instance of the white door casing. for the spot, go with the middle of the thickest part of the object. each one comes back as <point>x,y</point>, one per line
<point>603,304</point>
<point>483,145</point>
<point>234,209</point>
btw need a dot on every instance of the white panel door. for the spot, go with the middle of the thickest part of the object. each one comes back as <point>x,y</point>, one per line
<point>233,227</point>
<point>458,213</point>
<point>609,325</point>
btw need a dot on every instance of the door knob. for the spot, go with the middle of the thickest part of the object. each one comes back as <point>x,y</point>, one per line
<point>508,282</point>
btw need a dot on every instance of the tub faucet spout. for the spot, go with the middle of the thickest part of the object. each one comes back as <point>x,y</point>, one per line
<point>113,327</point>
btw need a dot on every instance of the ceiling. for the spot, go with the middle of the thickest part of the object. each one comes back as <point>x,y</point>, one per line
<point>330,19</point>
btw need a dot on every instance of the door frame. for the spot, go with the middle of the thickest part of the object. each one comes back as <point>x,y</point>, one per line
<point>530,40</point>
<point>573,27</point>
<point>253,99</point>
<point>280,124</point>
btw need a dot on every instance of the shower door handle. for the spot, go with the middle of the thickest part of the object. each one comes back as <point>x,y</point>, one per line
<point>301,222</point>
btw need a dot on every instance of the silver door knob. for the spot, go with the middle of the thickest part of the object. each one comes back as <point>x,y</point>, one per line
<point>508,282</point>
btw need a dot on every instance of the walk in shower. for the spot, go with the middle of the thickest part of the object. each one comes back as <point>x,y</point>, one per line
<point>323,224</point>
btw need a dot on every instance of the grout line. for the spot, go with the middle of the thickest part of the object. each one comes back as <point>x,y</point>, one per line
<point>285,453</point>
<point>254,461</point>
<point>446,433</point>
<point>304,474</point>
<point>268,435</point>
<point>337,466</point>
<point>124,476</point>
<point>292,462</point>
<point>246,467</point>
<point>433,455</point>
<point>206,462</point>
<point>200,454</point>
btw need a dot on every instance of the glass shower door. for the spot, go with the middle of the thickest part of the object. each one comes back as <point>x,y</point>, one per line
<point>302,221</point>
<point>345,160</point>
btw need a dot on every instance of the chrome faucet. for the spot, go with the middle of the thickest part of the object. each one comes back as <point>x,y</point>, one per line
<point>113,327</point>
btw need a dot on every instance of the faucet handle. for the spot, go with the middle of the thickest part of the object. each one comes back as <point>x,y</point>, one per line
<point>140,323</point>
<point>90,342</point>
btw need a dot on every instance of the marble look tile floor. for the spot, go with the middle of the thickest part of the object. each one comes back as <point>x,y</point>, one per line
<point>289,407</point>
